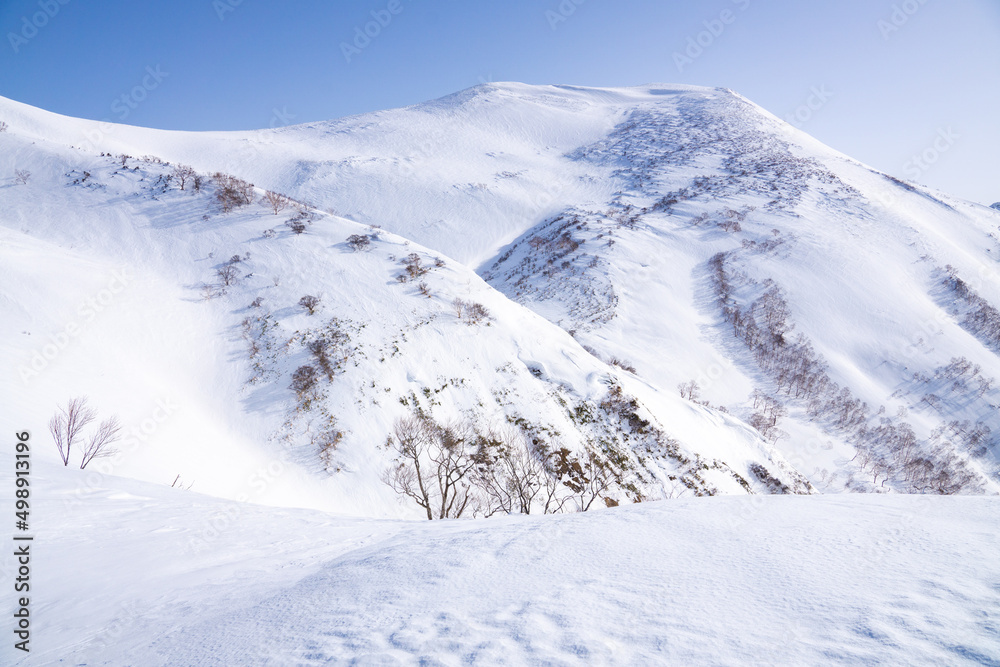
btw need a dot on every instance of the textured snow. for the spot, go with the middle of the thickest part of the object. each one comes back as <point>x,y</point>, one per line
<point>132,573</point>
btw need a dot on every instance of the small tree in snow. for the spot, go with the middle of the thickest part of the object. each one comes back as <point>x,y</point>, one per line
<point>275,201</point>
<point>183,174</point>
<point>22,176</point>
<point>358,241</point>
<point>65,425</point>
<point>99,445</point>
<point>228,275</point>
<point>433,467</point>
<point>310,303</point>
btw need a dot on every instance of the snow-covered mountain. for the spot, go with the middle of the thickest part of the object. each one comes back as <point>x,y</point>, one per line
<point>577,298</point>
<point>551,260</point>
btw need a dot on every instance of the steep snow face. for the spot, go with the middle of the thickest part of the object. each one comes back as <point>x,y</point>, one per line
<point>842,579</point>
<point>861,305</point>
<point>190,322</point>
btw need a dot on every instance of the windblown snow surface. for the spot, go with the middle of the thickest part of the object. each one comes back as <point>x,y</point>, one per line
<point>833,330</point>
<point>131,573</point>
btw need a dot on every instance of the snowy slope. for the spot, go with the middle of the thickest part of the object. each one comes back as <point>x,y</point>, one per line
<point>133,573</point>
<point>599,209</point>
<point>135,316</point>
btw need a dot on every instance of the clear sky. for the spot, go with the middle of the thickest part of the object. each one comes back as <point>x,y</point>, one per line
<point>887,80</point>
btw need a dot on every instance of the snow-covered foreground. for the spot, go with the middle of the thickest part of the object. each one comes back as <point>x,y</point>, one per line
<point>129,573</point>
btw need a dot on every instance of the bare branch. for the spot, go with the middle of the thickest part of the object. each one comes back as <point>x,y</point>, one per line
<point>100,443</point>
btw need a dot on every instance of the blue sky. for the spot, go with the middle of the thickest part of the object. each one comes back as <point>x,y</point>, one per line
<point>885,81</point>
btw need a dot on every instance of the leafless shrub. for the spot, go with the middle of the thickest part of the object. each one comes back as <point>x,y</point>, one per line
<point>228,275</point>
<point>513,475</point>
<point>212,291</point>
<point>622,364</point>
<point>232,192</point>
<point>183,174</point>
<point>310,303</point>
<point>589,477</point>
<point>275,201</point>
<point>424,289</point>
<point>476,313</point>
<point>3,126</point>
<point>413,267</point>
<point>767,413</point>
<point>358,242</point>
<point>304,381</point>
<point>328,350</point>
<point>689,390</point>
<point>99,445</point>
<point>22,176</point>
<point>66,425</point>
<point>297,226</point>
<point>257,302</point>
<point>432,467</point>
<point>325,440</point>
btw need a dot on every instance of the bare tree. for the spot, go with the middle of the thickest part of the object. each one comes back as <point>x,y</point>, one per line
<point>433,467</point>
<point>689,390</point>
<point>100,442</point>
<point>509,472</point>
<point>232,192</point>
<point>310,303</point>
<point>22,176</point>
<point>65,425</point>
<point>597,479</point>
<point>183,174</point>
<point>275,201</point>
<point>3,126</point>
<point>228,275</point>
<point>407,477</point>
